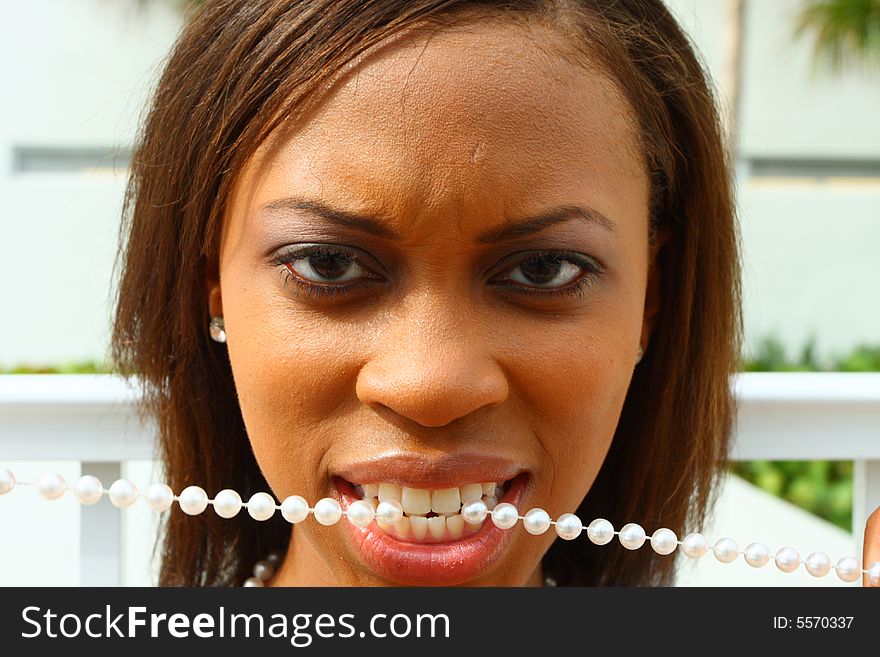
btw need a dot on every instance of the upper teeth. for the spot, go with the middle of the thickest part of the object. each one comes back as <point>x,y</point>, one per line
<point>421,501</point>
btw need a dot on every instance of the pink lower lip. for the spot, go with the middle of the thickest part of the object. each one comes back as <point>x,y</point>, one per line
<point>437,564</point>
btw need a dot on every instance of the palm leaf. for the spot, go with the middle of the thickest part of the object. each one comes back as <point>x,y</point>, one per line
<point>846,32</point>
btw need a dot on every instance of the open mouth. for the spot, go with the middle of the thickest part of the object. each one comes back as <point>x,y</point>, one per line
<point>429,515</point>
<point>426,541</point>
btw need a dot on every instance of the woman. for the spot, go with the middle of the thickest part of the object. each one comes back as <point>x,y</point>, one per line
<point>445,246</point>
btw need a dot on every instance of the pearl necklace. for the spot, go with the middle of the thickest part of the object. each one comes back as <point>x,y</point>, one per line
<point>193,500</point>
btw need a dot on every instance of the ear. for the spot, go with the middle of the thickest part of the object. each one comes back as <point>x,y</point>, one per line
<point>653,292</point>
<point>212,288</point>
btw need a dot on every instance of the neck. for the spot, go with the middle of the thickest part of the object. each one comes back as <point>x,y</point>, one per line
<point>303,566</point>
<point>536,578</point>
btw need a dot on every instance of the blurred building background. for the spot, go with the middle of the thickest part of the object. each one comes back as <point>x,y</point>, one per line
<point>808,177</point>
<point>809,171</point>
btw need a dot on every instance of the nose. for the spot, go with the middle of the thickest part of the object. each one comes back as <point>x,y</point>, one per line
<point>433,363</point>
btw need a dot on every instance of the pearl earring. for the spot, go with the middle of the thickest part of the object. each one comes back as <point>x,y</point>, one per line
<point>218,329</point>
<point>639,355</point>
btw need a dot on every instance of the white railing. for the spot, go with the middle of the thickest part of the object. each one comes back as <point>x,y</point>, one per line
<point>91,419</point>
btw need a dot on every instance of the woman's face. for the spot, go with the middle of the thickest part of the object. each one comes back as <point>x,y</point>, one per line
<point>437,283</point>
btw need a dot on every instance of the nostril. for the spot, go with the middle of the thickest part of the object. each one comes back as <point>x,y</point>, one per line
<point>432,389</point>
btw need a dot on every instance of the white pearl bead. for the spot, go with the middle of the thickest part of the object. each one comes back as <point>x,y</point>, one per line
<point>757,555</point>
<point>818,564</point>
<point>88,490</point>
<point>328,511</point>
<point>664,541</point>
<point>568,526</point>
<point>694,545</point>
<point>725,550</point>
<point>123,493</point>
<point>193,500</point>
<point>360,513</point>
<point>227,503</point>
<point>261,506</point>
<point>7,481</point>
<point>505,515</point>
<point>263,570</point>
<point>160,497</point>
<point>632,536</point>
<point>848,569</point>
<point>788,560</point>
<point>389,512</point>
<point>474,511</point>
<point>874,574</point>
<point>295,509</point>
<point>252,581</point>
<point>51,486</point>
<point>536,521</point>
<point>600,531</point>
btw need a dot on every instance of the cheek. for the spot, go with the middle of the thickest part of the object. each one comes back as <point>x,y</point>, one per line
<point>578,385</point>
<point>575,377</point>
<point>292,373</point>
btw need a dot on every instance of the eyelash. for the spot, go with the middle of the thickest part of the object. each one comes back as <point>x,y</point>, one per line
<point>329,291</point>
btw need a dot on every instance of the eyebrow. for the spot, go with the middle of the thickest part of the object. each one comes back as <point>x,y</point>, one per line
<point>375,226</point>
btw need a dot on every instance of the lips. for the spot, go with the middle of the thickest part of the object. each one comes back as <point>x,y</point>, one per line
<point>434,472</point>
<point>429,547</point>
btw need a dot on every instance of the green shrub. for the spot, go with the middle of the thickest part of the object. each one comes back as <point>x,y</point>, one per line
<point>821,487</point>
<point>85,367</point>
<point>771,356</point>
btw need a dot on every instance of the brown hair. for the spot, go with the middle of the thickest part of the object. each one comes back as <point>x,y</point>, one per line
<point>239,68</point>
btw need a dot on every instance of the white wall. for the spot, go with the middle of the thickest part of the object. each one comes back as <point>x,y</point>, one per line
<point>787,110</point>
<point>73,73</point>
<point>811,263</point>
<point>810,247</point>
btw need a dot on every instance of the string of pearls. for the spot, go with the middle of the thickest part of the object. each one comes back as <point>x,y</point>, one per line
<point>193,500</point>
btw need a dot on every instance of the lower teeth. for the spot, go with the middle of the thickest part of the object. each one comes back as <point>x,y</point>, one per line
<point>431,525</point>
<point>438,528</point>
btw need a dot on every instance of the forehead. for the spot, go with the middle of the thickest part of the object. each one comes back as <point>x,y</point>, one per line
<point>436,119</point>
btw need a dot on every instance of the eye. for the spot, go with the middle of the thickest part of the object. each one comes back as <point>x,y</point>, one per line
<point>327,266</point>
<point>552,273</point>
<point>324,270</point>
<point>546,271</point>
